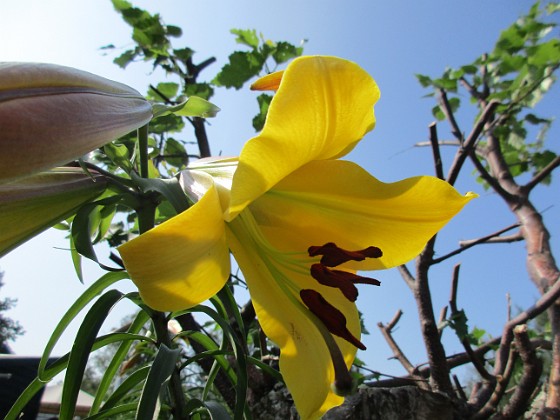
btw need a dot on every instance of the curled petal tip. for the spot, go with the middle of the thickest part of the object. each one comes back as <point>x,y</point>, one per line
<point>269,82</point>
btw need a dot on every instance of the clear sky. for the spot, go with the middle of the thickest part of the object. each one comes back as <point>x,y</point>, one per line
<point>392,40</point>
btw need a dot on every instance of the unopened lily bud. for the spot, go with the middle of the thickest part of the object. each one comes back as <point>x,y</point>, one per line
<point>32,204</point>
<point>50,115</point>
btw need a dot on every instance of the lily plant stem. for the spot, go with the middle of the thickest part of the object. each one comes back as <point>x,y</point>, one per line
<point>146,218</point>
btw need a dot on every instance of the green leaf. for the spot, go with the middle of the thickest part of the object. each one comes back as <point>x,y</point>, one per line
<point>169,188</point>
<point>217,411</point>
<point>424,80</point>
<point>87,219</point>
<point>114,411</point>
<point>81,349</point>
<point>202,90</point>
<point>139,321</point>
<point>175,153</point>
<point>125,58</point>
<point>94,290</point>
<point>121,4</point>
<point>241,67</point>
<point>438,113</point>
<point>118,153</point>
<point>167,89</point>
<point>459,323</point>
<point>247,37</point>
<point>285,51</point>
<point>192,107</point>
<point>264,103</point>
<point>160,371</point>
<point>125,387</point>
<point>174,31</point>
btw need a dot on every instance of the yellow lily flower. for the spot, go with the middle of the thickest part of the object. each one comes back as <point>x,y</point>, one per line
<point>53,114</point>
<point>30,205</point>
<point>299,223</point>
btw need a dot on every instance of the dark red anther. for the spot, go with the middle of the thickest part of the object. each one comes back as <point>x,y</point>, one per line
<point>333,256</point>
<point>332,318</point>
<point>343,280</point>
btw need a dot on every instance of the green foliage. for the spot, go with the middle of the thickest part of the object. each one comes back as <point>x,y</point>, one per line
<point>243,65</point>
<point>517,73</point>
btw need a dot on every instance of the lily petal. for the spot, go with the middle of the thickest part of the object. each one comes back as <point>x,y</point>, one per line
<point>33,204</point>
<point>53,114</point>
<point>305,363</point>
<point>323,107</point>
<point>338,201</point>
<point>183,261</point>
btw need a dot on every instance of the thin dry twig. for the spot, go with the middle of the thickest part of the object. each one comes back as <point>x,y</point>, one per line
<point>447,110</point>
<point>475,242</point>
<point>470,141</point>
<point>516,237</point>
<point>538,178</point>
<point>477,363</point>
<point>435,150</point>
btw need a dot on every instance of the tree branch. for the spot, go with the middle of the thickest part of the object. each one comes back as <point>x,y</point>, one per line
<point>538,178</point>
<point>435,150</point>
<point>532,369</point>
<point>470,141</point>
<point>446,108</point>
<point>474,242</point>
<point>477,363</point>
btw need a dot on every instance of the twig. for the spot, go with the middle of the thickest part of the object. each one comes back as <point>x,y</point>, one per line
<point>439,379</point>
<point>479,366</point>
<point>407,276</point>
<point>474,242</point>
<point>538,178</point>
<point>493,398</point>
<point>435,150</point>
<point>508,298</point>
<point>440,142</point>
<point>487,177</point>
<point>532,369</point>
<point>442,317</point>
<point>397,352</point>
<point>459,388</point>
<point>470,141</point>
<point>446,108</point>
<point>516,237</point>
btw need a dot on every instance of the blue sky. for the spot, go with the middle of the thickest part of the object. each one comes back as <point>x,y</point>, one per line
<point>392,40</point>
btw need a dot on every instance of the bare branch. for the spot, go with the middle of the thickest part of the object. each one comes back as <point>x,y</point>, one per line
<point>487,177</point>
<point>439,378</point>
<point>538,178</point>
<point>492,399</point>
<point>516,237</point>
<point>435,150</point>
<point>470,141</point>
<point>477,363</point>
<point>446,108</point>
<point>407,276</point>
<point>474,242</point>
<point>440,142</point>
<point>545,301</point>
<point>394,321</point>
<point>397,352</point>
<point>459,388</point>
<point>442,316</point>
<point>532,369</point>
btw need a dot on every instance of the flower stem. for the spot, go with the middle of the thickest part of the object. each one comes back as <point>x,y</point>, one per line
<point>143,150</point>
